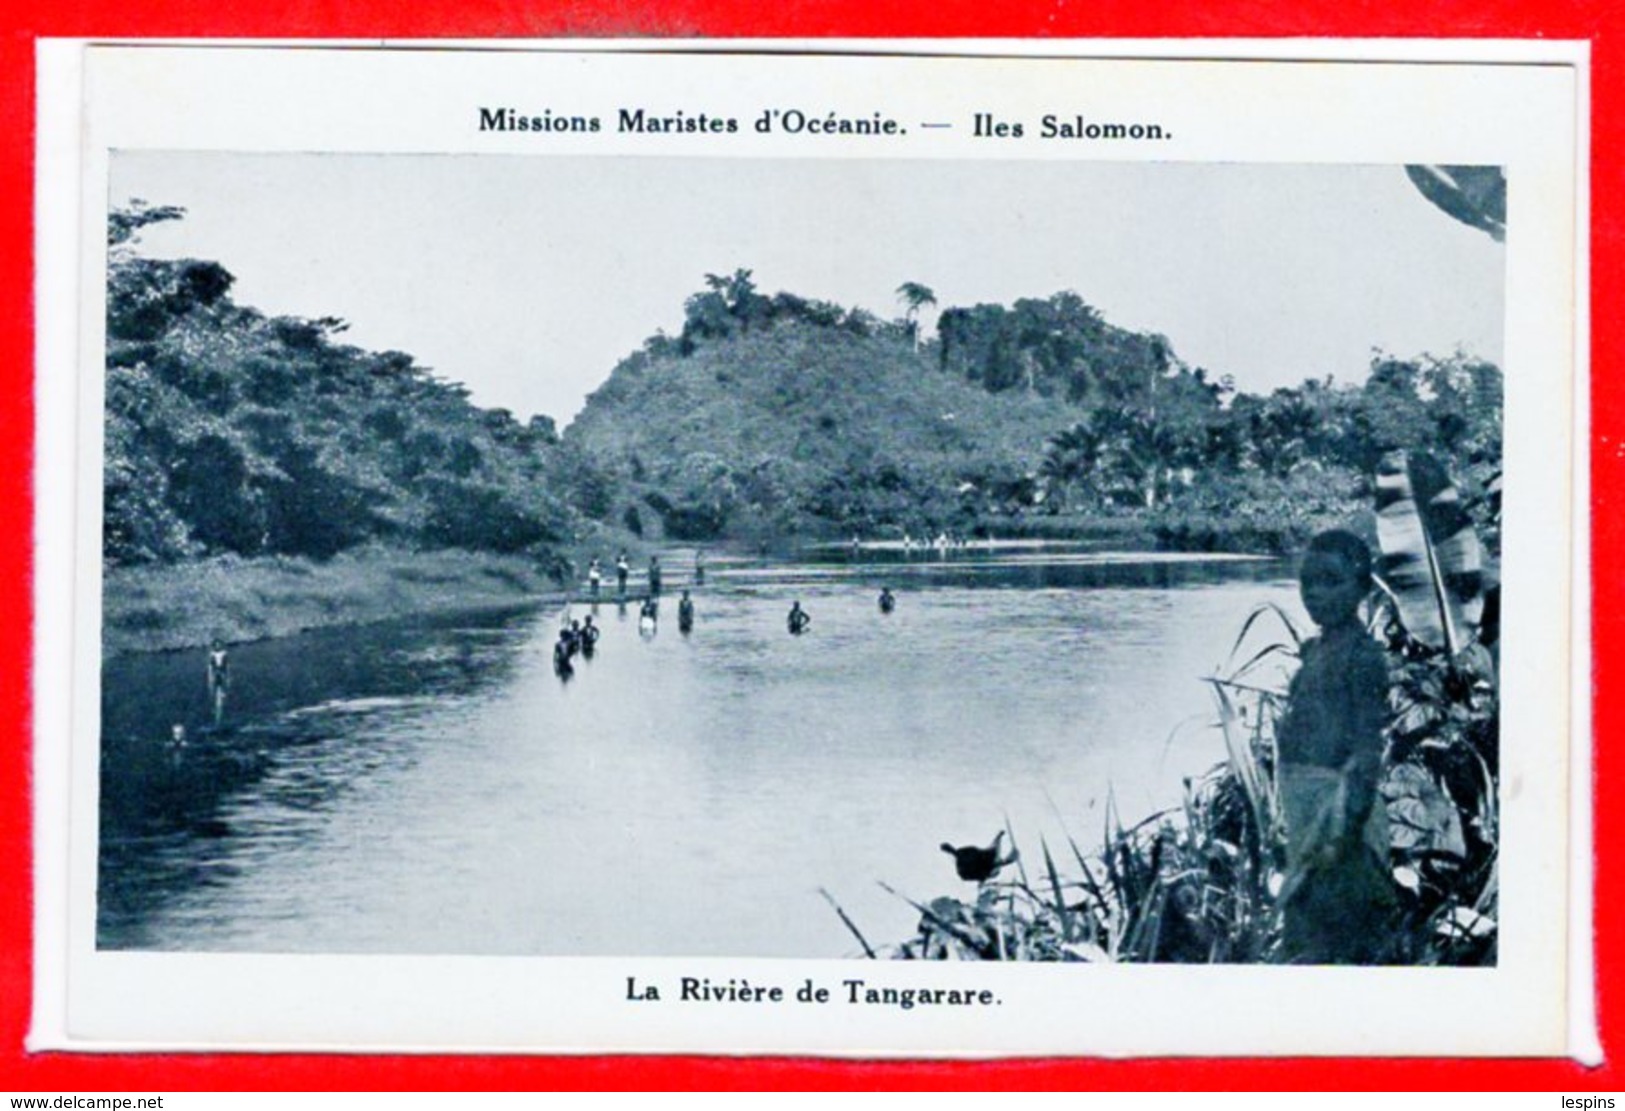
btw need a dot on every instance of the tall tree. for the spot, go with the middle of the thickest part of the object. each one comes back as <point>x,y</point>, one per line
<point>1073,462</point>
<point>915,297</point>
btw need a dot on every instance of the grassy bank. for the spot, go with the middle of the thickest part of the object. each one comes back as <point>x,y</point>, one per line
<point>187,604</point>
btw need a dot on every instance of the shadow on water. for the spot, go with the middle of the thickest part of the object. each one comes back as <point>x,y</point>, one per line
<point>164,800</point>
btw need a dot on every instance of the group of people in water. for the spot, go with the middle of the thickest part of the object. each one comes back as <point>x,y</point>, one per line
<point>576,638</point>
<point>942,543</point>
<point>580,638</point>
<point>217,676</point>
<point>623,574</point>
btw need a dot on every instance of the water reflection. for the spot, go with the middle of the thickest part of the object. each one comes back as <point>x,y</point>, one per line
<point>308,717</point>
<point>432,787</point>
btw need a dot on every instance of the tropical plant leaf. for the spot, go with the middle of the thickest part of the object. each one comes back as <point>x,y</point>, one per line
<point>1062,911</point>
<point>1021,869</point>
<point>1260,656</point>
<point>1432,563</point>
<point>868,949</point>
<point>1475,195</point>
<point>1085,951</point>
<point>1243,763</point>
<point>1422,819</point>
<point>951,919</point>
<point>1267,609</point>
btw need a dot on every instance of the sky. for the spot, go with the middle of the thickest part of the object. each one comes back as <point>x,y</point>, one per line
<point>529,278</point>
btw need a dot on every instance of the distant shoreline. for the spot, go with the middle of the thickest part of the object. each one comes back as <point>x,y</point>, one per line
<point>1135,532</point>
<point>994,544</point>
<point>979,544</point>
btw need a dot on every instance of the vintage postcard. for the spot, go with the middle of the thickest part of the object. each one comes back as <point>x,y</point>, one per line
<point>878,549</point>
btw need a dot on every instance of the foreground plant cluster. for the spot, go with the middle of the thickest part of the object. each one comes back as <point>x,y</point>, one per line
<point>1201,882</point>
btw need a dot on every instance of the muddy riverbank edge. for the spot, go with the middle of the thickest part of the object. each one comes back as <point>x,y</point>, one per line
<point>159,608</point>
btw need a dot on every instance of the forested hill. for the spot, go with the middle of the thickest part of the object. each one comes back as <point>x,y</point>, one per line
<point>794,427</point>
<point>776,415</point>
<point>230,432</point>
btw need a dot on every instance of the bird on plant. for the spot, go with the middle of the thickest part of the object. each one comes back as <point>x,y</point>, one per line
<point>978,864</point>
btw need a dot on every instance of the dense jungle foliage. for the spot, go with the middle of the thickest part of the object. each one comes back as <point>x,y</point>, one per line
<point>232,432</point>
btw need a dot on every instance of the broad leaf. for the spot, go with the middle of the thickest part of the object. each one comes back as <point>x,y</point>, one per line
<point>1422,818</point>
<point>1432,562</point>
<point>1475,195</point>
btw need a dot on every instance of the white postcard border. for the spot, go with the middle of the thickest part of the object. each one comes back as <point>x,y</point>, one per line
<point>123,1000</point>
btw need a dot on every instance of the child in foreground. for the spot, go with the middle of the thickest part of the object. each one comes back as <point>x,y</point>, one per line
<point>1338,896</point>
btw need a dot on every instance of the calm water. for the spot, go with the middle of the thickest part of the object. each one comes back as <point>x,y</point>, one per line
<point>434,788</point>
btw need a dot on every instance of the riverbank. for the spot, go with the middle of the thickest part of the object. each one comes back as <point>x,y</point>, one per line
<point>153,608</point>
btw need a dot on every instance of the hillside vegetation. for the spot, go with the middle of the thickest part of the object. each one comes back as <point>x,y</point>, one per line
<point>798,428</point>
<point>777,415</point>
<point>230,432</point>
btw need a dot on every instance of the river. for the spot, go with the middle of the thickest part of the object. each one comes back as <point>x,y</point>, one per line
<point>432,787</point>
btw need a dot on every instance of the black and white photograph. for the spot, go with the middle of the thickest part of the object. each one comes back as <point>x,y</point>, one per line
<point>931,560</point>
<point>883,561</point>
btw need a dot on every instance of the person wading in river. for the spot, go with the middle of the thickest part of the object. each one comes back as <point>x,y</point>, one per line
<point>798,619</point>
<point>219,674</point>
<point>563,649</point>
<point>177,743</point>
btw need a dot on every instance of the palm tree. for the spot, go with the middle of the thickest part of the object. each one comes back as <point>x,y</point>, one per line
<point>1072,460</point>
<point>915,297</point>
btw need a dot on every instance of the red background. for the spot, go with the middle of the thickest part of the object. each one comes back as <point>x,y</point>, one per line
<point>1600,21</point>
